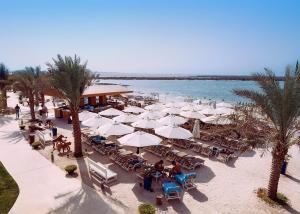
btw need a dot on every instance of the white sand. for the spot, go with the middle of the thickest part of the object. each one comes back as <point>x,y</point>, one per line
<point>220,188</point>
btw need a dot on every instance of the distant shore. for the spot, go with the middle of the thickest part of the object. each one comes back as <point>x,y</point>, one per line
<point>241,78</point>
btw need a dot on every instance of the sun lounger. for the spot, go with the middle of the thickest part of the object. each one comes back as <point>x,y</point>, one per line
<point>101,172</point>
<point>186,180</point>
<point>44,136</point>
<point>171,190</point>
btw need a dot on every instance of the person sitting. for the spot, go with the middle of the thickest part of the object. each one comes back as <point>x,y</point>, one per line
<point>176,169</point>
<point>158,166</point>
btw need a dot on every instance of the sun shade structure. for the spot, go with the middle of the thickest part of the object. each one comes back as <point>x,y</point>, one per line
<point>86,115</point>
<point>196,129</point>
<point>171,110</point>
<point>154,107</point>
<point>126,118</point>
<point>172,120</point>
<point>192,114</point>
<point>188,107</point>
<point>208,111</point>
<point>139,139</point>
<point>173,132</point>
<point>217,120</point>
<point>111,112</point>
<point>152,115</point>
<point>224,110</point>
<point>175,104</point>
<point>134,109</point>
<point>224,105</point>
<point>97,121</point>
<point>115,129</point>
<point>146,124</point>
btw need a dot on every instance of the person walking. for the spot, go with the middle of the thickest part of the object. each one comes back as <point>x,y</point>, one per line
<point>17,108</point>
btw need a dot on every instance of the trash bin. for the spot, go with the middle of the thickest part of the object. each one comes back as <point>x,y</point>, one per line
<point>31,138</point>
<point>147,182</point>
<point>54,132</point>
<point>284,167</point>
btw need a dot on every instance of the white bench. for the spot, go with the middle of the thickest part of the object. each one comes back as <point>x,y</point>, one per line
<point>101,172</point>
<point>44,136</point>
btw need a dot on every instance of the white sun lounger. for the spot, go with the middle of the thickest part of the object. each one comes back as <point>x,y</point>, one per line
<point>44,136</point>
<point>101,172</point>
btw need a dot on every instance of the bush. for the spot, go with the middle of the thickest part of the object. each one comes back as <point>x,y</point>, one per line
<point>70,169</point>
<point>36,145</point>
<point>146,209</point>
<point>281,198</point>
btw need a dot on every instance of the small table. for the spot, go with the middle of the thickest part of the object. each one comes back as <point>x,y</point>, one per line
<point>157,176</point>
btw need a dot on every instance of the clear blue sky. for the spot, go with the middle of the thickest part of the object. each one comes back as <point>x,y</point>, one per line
<point>154,36</point>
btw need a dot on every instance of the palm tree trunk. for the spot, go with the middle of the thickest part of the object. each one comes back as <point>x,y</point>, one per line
<point>31,106</point>
<point>76,133</point>
<point>4,99</point>
<point>36,101</point>
<point>42,99</point>
<point>277,161</point>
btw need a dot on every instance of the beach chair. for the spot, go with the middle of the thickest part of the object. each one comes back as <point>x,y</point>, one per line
<point>186,180</point>
<point>44,136</point>
<point>171,191</point>
<point>100,172</point>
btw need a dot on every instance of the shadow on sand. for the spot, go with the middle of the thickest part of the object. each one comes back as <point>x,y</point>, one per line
<point>293,178</point>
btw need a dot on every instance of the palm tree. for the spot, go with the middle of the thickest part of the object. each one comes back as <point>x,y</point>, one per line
<point>26,81</point>
<point>4,82</point>
<point>70,78</point>
<point>280,105</point>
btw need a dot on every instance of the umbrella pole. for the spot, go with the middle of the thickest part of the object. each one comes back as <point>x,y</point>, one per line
<point>138,150</point>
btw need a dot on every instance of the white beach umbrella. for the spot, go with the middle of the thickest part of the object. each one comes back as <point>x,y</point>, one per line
<point>224,111</point>
<point>173,132</point>
<point>111,112</point>
<point>115,129</point>
<point>175,104</point>
<point>217,120</point>
<point>154,107</point>
<point>188,107</point>
<point>199,107</point>
<point>146,124</point>
<point>208,110</point>
<point>139,139</point>
<point>192,114</point>
<point>224,104</point>
<point>97,121</point>
<point>196,129</point>
<point>126,118</point>
<point>152,115</point>
<point>172,120</point>
<point>134,109</point>
<point>84,115</point>
<point>171,110</point>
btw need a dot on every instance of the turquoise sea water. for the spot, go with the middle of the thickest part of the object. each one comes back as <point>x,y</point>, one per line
<point>211,89</point>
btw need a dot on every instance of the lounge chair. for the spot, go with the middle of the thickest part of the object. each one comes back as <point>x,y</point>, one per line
<point>171,190</point>
<point>44,136</point>
<point>101,172</point>
<point>186,180</point>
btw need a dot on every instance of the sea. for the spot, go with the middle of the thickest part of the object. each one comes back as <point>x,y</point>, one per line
<point>218,90</point>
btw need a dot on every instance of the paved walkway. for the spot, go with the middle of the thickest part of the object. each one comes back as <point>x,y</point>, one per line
<point>43,186</point>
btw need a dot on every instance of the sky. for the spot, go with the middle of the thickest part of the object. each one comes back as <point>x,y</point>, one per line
<point>212,37</point>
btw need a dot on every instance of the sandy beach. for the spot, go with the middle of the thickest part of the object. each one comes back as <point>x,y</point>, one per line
<point>221,188</point>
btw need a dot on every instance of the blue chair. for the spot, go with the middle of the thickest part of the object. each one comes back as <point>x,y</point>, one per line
<point>171,190</point>
<point>186,180</point>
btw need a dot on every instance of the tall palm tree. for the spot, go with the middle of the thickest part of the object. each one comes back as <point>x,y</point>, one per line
<point>4,82</point>
<point>280,105</point>
<point>70,78</point>
<point>27,82</point>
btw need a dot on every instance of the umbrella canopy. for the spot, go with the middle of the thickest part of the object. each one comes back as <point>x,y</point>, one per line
<point>192,114</point>
<point>173,132</point>
<point>126,118</point>
<point>217,120</point>
<point>155,106</point>
<point>97,121</point>
<point>115,129</point>
<point>171,110</point>
<point>172,120</point>
<point>111,112</point>
<point>224,104</point>
<point>152,115</point>
<point>208,110</point>
<point>84,115</point>
<point>139,139</point>
<point>146,124</point>
<point>189,107</point>
<point>224,110</point>
<point>175,104</point>
<point>196,129</point>
<point>134,109</point>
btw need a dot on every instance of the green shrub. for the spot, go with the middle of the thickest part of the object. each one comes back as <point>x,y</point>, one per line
<point>36,145</point>
<point>146,209</point>
<point>281,198</point>
<point>70,169</point>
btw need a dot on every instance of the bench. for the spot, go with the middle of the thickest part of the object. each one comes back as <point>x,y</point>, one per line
<point>101,172</point>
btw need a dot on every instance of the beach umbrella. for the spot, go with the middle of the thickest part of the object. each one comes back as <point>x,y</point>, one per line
<point>223,110</point>
<point>188,107</point>
<point>224,104</point>
<point>196,129</point>
<point>84,115</point>
<point>175,104</point>
<point>154,107</point>
<point>97,121</point>
<point>172,120</point>
<point>126,118</point>
<point>146,124</point>
<point>111,112</point>
<point>173,132</point>
<point>192,114</point>
<point>208,110</point>
<point>171,110</point>
<point>217,120</point>
<point>134,109</point>
<point>139,139</point>
<point>152,115</point>
<point>115,129</point>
